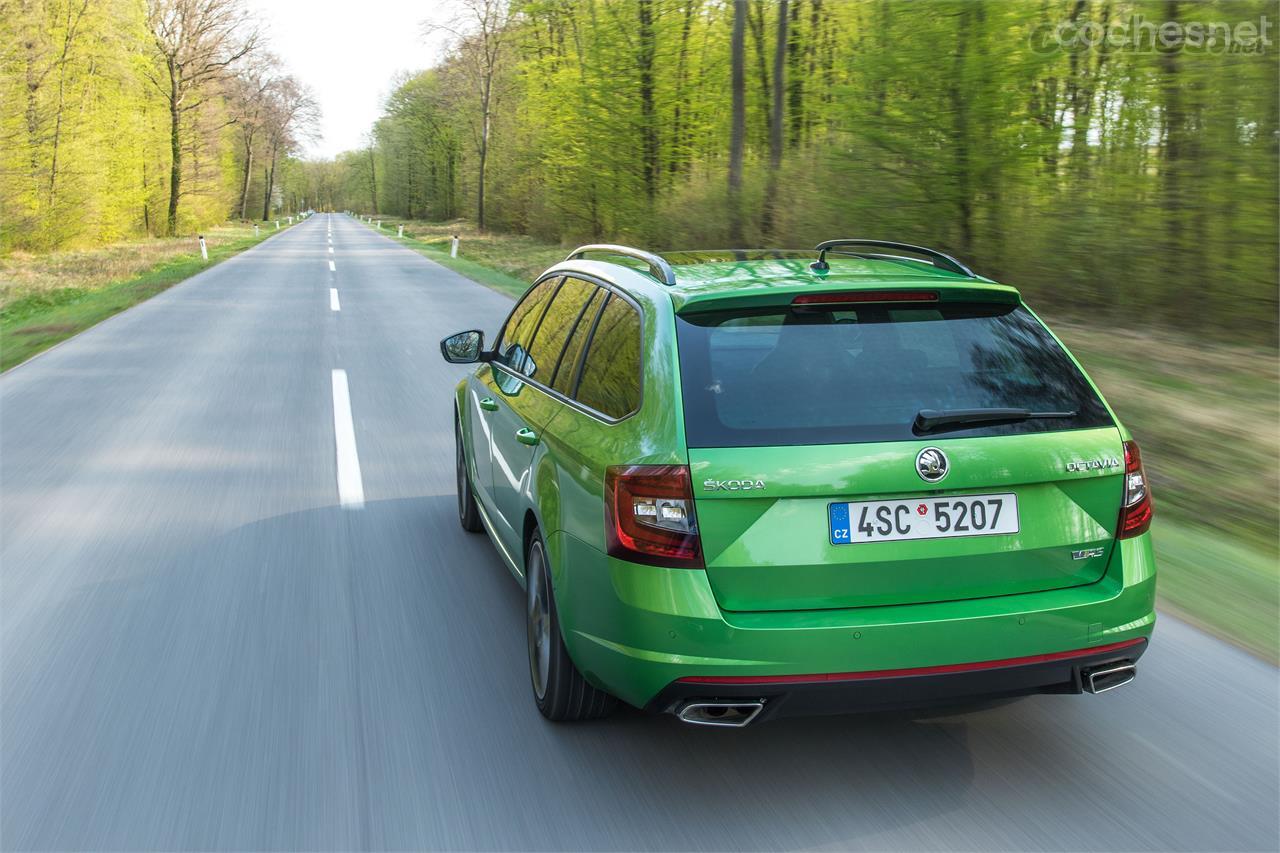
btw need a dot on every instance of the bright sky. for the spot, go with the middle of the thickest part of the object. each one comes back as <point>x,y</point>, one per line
<point>348,54</point>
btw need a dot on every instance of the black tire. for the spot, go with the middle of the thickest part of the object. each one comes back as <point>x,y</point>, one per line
<point>559,690</point>
<point>468,512</point>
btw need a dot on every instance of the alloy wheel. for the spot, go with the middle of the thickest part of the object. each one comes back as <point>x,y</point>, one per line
<point>539,621</point>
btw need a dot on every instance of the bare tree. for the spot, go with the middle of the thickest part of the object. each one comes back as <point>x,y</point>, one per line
<point>196,42</point>
<point>249,99</point>
<point>481,29</point>
<point>291,116</point>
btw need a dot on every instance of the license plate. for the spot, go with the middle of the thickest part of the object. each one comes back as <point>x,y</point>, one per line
<point>923,518</point>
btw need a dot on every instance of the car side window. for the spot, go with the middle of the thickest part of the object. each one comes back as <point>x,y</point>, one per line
<point>517,334</point>
<point>554,330</point>
<point>567,370</point>
<point>610,381</point>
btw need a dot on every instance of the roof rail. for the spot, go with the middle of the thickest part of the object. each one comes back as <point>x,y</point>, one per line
<point>939,260</point>
<point>658,266</point>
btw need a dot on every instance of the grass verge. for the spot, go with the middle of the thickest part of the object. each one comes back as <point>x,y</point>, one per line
<point>45,299</point>
<point>1204,413</point>
<point>506,263</point>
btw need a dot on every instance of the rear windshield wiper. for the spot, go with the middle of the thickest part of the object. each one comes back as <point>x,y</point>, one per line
<point>935,420</point>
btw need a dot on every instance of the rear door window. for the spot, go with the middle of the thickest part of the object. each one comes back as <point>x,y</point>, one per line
<point>610,381</point>
<point>566,374</point>
<point>554,330</point>
<point>788,376</point>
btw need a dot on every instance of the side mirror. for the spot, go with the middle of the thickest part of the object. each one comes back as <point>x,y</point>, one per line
<point>464,347</point>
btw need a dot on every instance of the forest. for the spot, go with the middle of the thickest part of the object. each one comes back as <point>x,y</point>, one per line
<point>135,118</point>
<point>1131,178</point>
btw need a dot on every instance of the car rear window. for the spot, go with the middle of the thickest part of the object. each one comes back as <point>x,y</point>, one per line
<point>821,375</point>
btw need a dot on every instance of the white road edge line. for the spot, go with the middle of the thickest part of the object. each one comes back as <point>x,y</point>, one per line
<point>332,268</point>
<point>333,300</point>
<point>350,486</point>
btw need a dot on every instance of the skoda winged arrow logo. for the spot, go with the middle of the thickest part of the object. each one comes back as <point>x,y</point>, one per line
<point>932,465</point>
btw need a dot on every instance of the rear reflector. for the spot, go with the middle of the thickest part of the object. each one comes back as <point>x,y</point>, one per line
<point>920,670</point>
<point>853,296</point>
<point>649,516</point>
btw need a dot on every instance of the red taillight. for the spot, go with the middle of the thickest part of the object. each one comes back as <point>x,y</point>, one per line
<point>1135,513</point>
<point>866,296</point>
<point>649,516</point>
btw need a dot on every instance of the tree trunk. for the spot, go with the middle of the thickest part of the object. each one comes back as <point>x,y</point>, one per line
<point>757,25</point>
<point>146,201</point>
<point>373,180</point>
<point>737,137</point>
<point>960,142</point>
<point>648,125</point>
<point>1175,141</point>
<point>795,85</point>
<point>676,163</point>
<point>269,184</point>
<point>768,220</point>
<point>484,151</point>
<point>248,170</point>
<point>68,37</point>
<point>34,79</point>
<point>175,150</point>
<point>1181,169</point>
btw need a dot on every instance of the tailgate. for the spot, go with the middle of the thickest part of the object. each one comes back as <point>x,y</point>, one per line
<point>765,516</point>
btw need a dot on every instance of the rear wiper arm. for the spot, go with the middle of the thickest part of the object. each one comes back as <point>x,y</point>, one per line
<point>935,420</point>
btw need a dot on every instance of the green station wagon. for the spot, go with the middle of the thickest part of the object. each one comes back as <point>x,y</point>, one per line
<point>740,485</point>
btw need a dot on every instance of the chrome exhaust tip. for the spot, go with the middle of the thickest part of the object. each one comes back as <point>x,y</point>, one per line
<point>1108,677</point>
<point>733,715</point>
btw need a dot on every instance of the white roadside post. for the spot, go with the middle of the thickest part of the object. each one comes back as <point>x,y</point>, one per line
<point>453,250</point>
<point>204,250</point>
<point>277,224</point>
<point>290,220</point>
<point>255,229</point>
<point>379,224</point>
<point>400,232</point>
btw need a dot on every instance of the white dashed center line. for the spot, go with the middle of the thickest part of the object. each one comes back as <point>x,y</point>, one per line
<point>331,250</point>
<point>350,486</point>
<point>333,300</point>
<point>332,267</point>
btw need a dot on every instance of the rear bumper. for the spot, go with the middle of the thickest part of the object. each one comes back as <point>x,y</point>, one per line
<point>635,631</point>
<point>837,693</point>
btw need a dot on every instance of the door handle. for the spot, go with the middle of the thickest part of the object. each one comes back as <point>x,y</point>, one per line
<point>488,404</point>
<point>527,436</point>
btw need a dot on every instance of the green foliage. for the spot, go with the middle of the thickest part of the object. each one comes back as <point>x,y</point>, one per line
<point>85,149</point>
<point>1134,182</point>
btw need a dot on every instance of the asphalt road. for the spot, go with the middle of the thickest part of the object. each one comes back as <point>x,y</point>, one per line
<point>203,649</point>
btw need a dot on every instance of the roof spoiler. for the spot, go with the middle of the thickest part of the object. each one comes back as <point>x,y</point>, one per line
<point>941,261</point>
